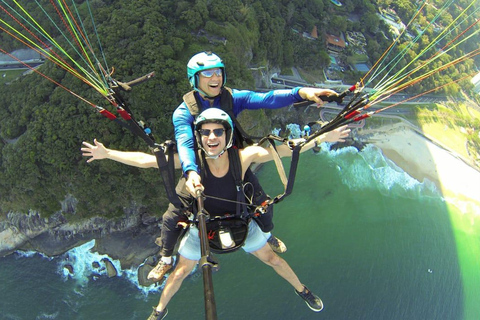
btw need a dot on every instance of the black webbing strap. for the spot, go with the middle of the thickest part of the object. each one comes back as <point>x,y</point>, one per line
<point>291,175</point>
<point>167,168</point>
<point>242,138</point>
<point>293,170</point>
<point>234,159</point>
<point>167,171</point>
<point>281,171</point>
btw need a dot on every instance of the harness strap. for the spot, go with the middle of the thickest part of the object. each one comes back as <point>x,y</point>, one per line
<point>293,170</point>
<point>166,167</point>
<point>191,103</point>
<point>291,175</point>
<point>194,105</point>
<point>278,163</point>
<point>242,138</point>
<point>234,160</point>
<point>287,183</point>
<point>236,170</point>
<point>167,170</point>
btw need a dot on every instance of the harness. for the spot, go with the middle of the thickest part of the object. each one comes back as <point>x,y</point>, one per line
<point>243,139</point>
<point>228,232</point>
<point>193,103</point>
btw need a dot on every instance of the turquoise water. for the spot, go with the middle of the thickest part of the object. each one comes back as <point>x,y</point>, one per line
<point>372,242</point>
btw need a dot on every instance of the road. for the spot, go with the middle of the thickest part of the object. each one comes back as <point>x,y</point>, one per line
<point>288,82</point>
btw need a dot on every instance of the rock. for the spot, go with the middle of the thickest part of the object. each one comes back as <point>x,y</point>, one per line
<point>53,243</point>
<point>69,268</point>
<point>130,239</point>
<point>142,275</point>
<point>95,265</point>
<point>111,270</point>
<point>349,143</point>
<point>152,261</point>
<point>149,220</point>
<point>131,246</point>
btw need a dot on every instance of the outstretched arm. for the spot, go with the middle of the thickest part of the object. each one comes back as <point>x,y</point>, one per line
<point>98,151</point>
<point>315,94</point>
<point>258,154</point>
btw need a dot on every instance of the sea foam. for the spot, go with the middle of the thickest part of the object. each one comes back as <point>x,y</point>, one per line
<point>83,261</point>
<point>379,173</point>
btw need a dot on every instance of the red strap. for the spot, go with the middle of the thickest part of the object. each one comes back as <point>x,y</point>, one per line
<point>125,115</point>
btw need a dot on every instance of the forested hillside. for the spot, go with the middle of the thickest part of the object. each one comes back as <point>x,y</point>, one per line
<point>42,126</point>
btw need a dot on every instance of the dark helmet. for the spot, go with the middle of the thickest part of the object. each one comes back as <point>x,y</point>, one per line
<point>215,115</point>
<point>203,61</point>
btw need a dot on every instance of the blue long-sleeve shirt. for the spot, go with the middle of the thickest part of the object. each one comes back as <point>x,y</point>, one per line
<point>242,99</point>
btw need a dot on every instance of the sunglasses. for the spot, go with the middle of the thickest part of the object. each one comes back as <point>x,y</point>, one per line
<point>217,132</point>
<point>211,72</point>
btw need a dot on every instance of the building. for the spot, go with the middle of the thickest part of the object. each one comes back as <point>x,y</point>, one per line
<point>390,17</point>
<point>314,33</point>
<point>22,57</point>
<point>335,44</point>
<point>476,83</point>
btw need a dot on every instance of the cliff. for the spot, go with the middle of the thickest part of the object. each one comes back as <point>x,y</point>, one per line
<point>130,239</point>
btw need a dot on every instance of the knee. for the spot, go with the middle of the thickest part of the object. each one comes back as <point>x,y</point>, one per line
<point>274,260</point>
<point>170,220</point>
<point>180,273</point>
<point>177,276</point>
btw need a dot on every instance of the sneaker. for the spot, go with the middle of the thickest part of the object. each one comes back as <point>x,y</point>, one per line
<point>312,301</point>
<point>157,273</point>
<point>158,315</point>
<point>276,244</point>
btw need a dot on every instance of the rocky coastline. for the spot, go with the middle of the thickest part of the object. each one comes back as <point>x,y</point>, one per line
<point>131,239</point>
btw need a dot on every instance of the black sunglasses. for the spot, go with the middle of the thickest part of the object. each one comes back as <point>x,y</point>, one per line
<point>217,132</point>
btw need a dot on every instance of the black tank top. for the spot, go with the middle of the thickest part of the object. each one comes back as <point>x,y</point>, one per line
<point>223,188</point>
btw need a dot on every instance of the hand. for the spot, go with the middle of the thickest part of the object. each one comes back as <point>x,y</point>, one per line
<point>314,94</point>
<point>193,183</point>
<point>96,152</point>
<point>337,135</point>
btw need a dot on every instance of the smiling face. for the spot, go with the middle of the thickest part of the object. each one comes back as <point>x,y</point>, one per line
<point>212,86</point>
<point>212,144</point>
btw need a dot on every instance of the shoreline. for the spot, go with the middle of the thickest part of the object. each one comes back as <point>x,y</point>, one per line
<point>422,158</point>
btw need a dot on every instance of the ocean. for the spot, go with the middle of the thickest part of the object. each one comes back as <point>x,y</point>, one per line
<point>372,242</point>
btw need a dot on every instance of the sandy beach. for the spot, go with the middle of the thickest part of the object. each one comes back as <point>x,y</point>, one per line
<point>423,159</point>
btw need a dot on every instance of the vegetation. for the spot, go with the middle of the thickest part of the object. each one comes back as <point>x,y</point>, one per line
<point>42,126</point>
<point>455,126</point>
<point>9,75</point>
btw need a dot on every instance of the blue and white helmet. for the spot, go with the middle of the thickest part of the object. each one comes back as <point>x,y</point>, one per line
<point>203,61</point>
<point>215,115</point>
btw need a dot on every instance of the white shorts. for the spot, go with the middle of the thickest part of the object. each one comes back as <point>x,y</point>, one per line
<point>190,245</point>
